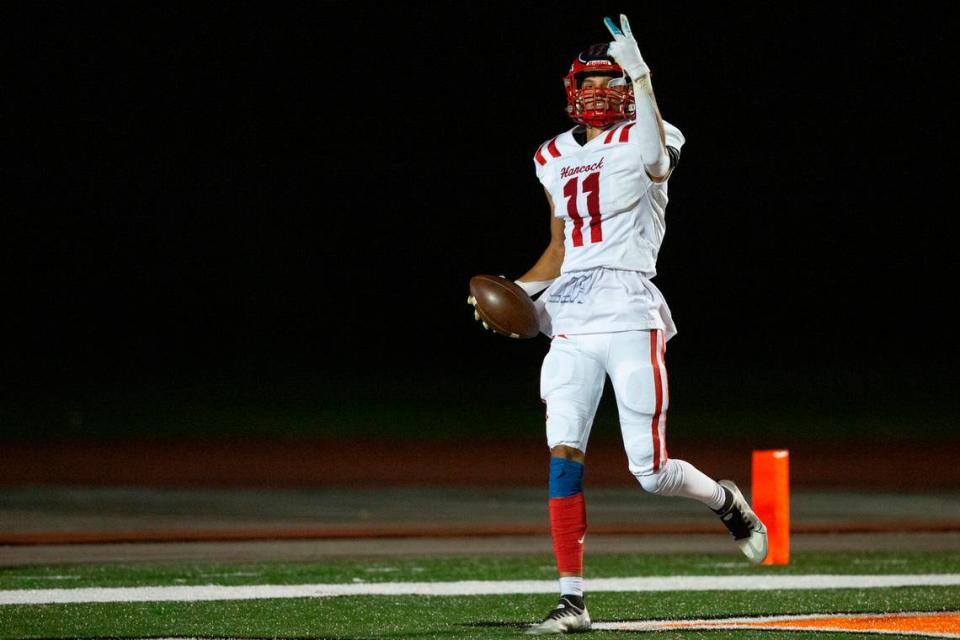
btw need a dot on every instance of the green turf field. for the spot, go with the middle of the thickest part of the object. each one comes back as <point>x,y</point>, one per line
<point>407,616</point>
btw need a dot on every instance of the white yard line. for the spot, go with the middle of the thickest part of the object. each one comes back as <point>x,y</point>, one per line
<point>469,588</point>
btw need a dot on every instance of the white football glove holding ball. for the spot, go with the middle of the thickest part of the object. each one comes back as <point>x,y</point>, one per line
<point>503,307</point>
<point>476,314</point>
<point>531,288</point>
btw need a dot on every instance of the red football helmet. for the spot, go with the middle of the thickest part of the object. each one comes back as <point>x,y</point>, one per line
<point>598,106</point>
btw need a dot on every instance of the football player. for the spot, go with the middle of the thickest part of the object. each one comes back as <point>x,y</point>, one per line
<point>606,184</point>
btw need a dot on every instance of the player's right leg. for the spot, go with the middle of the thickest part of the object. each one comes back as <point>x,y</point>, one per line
<point>571,384</point>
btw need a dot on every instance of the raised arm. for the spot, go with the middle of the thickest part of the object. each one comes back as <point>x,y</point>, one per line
<point>625,51</point>
<point>547,267</point>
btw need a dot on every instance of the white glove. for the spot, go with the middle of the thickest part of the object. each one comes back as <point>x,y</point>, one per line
<point>624,49</point>
<point>476,314</point>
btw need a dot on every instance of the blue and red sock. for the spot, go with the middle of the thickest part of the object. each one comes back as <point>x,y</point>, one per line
<point>568,515</point>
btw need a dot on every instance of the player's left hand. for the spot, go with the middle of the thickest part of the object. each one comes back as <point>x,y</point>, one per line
<point>625,50</point>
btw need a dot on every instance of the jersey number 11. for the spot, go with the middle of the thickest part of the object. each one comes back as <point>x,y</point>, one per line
<point>591,187</point>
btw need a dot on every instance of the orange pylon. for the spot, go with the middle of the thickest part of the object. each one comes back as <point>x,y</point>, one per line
<point>771,501</point>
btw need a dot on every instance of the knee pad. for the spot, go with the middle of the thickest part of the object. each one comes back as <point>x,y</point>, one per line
<point>665,482</point>
<point>651,483</point>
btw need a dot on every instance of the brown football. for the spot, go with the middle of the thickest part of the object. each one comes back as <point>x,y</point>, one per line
<point>504,306</point>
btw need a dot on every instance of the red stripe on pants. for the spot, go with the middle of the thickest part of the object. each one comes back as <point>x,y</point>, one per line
<point>568,526</point>
<point>658,384</point>
<point>666,395</point>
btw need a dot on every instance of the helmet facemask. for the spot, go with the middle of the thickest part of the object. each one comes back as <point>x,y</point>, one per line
<point>596,106</point>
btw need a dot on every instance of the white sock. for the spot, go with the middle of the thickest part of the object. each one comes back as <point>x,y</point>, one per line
<point>571,586</point>
<point>680,478</point>
<point>718,499</point>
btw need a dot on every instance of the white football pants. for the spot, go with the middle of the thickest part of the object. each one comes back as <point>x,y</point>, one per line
<point>571,383</point>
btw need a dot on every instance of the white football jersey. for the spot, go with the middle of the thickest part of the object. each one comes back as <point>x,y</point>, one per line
<point>614,222</point>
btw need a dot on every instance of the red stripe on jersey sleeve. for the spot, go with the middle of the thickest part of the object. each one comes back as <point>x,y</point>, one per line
<point>610,136</point>
<point>625,132</point>
<point>539,157</point>
<point>552,148</point>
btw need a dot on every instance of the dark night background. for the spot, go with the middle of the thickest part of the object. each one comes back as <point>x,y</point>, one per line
<point>274,209</point>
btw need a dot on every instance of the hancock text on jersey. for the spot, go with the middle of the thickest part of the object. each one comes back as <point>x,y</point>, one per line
<point>566,172</point>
